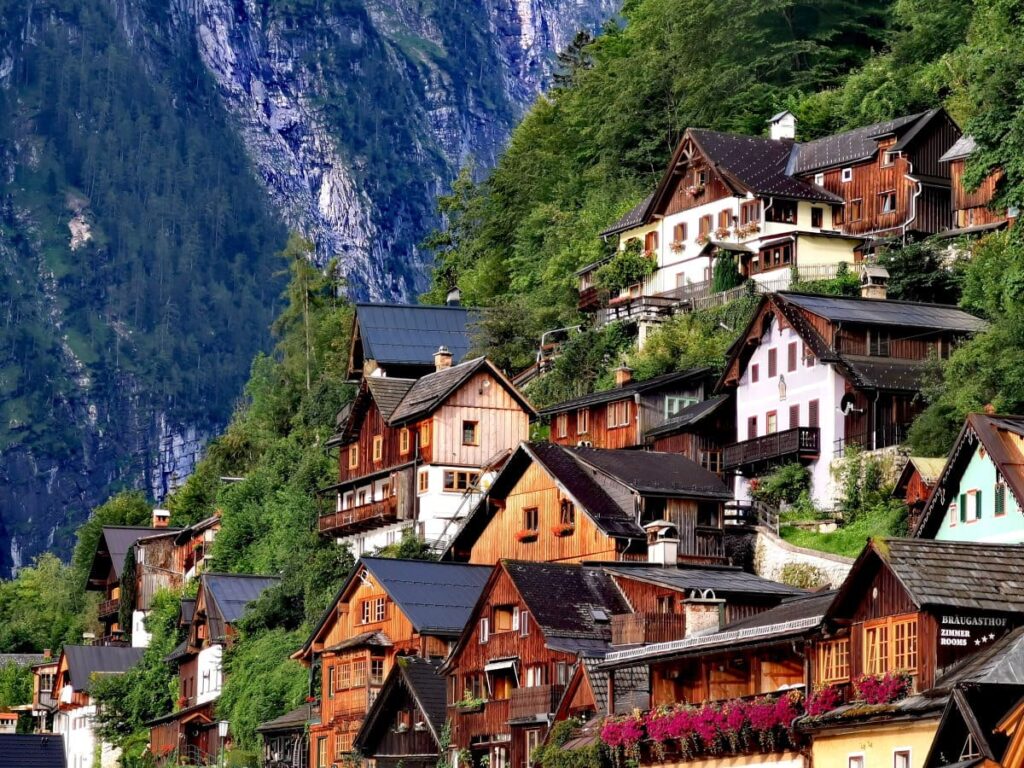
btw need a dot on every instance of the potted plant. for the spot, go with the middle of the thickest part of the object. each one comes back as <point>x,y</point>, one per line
<point>563,529</point>
<point>703,239</point>
<point>722,233</point>
<point>470,703</point>
<point>696,190</point>
<point>677,246</point>
<point>526,535</point>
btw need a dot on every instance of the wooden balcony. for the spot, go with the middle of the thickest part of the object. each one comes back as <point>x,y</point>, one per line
<point>799,444</point>
<point>109,607</point>
<point>361,518</point>
<point>643,628</point>
<point>591,299</point>
<point>536,704</point>
<point>708,546</point>
<point>480,727</point>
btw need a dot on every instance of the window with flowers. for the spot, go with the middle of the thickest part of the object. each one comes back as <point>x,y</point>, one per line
<point>833,661</point>
<point>890,645</point>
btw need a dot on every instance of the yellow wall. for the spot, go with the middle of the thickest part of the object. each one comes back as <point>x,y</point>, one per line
<point>877,742</point>
<point>813,250</point>
<point>780,760</point>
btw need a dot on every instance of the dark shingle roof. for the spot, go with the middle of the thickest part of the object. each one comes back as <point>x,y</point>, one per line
<point>388,393</point>
<point>886,373</point>
<point>1001,663</point>
<point>187,610</point>
<point>425,685</point>
<point>688,416</point>
<point>804,606</point>
<point>84,661</point>
<point>723,580</point>
<point>757,164</point>
<point>437,598</point>
<point>411,334</point>
<point>233,592</point>
<point>609,395</point>
<point>22,659</point>
<point>849,146</point>
<point>121,538</point>
<point>295,720</point>
<point>363,639</point>
<point>634,217</point>
<point>433,389</point>
<point>907,314</point>
<point>655,473</point>
<point>632,687</point>
<point>31,750</point>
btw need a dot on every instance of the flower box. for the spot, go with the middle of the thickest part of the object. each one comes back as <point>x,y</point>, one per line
<point>563,529</point>
<point>469,707</point>
<point>677,246</point>
<point>526,535</point>
<point>696,190</point>
<point>703,239</point>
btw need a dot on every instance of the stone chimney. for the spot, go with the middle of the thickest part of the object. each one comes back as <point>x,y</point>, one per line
<point>161,518</point>
<point>454,298</point>
<point>704,613</point>
<point>442,358</point>
<point>623,375</point>
<point>874,281</point>
<point>782,125</point>
<point>47,653</point>
<point>662,543</point>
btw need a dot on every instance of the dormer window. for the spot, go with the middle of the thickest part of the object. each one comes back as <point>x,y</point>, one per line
<point>846,175</point>
<point>819,179</point>
<point>888,158</point>
<point>702,178</point>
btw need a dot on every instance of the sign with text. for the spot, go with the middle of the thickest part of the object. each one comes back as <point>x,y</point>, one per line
<point>963,635</point>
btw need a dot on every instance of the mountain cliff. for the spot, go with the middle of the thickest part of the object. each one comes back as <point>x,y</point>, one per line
<point>153,154</point>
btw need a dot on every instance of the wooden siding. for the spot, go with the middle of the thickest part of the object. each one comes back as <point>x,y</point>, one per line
<point>935,141</point>
<point>973,208</point>
<point>390,745</point>
<point>536,489</point>
<point>373,425</point>
<point>501,423</point>
<point>598,433</point>
<point>680,199</point>
<point>158,571</point>
<point>726,676</point>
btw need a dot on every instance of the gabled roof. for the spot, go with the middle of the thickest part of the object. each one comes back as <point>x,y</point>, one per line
<point>232,592</point>
<point>84,661</point>
<point>1001,437</point>
<point>296,720</point>
<point>723,580</point>
<point>961,148</point>
<point>632,687</point>
<point>664,381</point>
<point>388,392</point>
<point>941,574</point>
<point>363,640</point>
<point>852,146</point>
<point>929,468</point>
<point>424,683</point>
<point>652,473</point>
<point>32,750</point>
<point>886,312</point>
<point>689,416</point>
<point>410,334</point>
<point>117,541</point>
<point>634,217</point>
<point>186,533</point>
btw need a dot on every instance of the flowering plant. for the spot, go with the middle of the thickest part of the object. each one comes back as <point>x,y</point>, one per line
<point>624,732</point>
<point>563,529</point>
<point>703,239</point>
<point>677,246</point>
<point>722,232</point>
<point>883,689</point>
<point>527,534</point>
<point>696,189</point>
<point>823,700</point>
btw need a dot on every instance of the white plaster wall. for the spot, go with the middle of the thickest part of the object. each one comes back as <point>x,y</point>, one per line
<point>685,267</point>
<point>79,740</point>
<point>209,661</point>
<point>140,637</point>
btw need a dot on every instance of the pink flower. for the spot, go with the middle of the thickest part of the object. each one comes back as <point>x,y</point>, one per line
<point>824,700</point>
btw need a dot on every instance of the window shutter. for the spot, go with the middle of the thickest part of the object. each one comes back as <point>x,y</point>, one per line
<point>794,416</point>
<point>1000,499</point>
<point>515,618</point>
<point>524,623</point>
<point>963,507</point>
<point>812,413</point>
<point>977,504</point>
<point>485,628</point>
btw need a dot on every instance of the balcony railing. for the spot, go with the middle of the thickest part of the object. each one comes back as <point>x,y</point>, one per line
<point>361,518</point>
<point>708,544</point>
<point>790,444</point>
<point>590,299</point>
<point>110,607</point>
<point>482,726</point>
<point>534,704</point>
<point>643,628</point>
<point>883,436</point>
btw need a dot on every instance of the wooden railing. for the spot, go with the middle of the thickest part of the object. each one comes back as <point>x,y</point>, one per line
<point>492,719</point>
<point>643,628</point>
<point>361,518</point>
<point>708,543</point>
<point>883,436</point>
<point>800,442</point>
<point>535,703</point>
<point>590,299</point>
<point>109,607</point>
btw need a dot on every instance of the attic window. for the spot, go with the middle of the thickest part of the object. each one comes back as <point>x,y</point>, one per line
<point>403,441</point>
<point>599,615</point>
<point>888,158</point>
<point>846,175</point>
<point>470,433</point>
<point>819,179</point>
<point>503,618</point>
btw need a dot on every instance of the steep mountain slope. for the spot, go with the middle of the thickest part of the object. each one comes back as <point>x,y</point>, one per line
<point>153,154</point>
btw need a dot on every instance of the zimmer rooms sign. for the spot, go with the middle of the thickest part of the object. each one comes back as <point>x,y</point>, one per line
<point>964,634</point>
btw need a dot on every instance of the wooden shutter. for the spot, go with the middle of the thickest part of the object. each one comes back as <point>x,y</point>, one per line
<point>812,413</point>
<point>485,630</point>
<point>791,354</point>
<point>773,363</point>
<point>963,507</point>
<point>752,427</point>
<point>794,416</point>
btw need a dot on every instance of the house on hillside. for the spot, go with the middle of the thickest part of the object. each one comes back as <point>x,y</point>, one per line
<point>192,731</point>
<point>621,417</point>
<point>44,702</point>
<point>404,727</point>
<point>699,432</point>
<point>973,212</point>
<point>399,340</point>
<point>774,207</point>
<point>979,494</point>
<point>75,719</point>
<point>286,738</point>
<point>413,452</point>
<point>385,611</point>
<point>915,484</point>
<point>557,504</point>
<point>813,375</point>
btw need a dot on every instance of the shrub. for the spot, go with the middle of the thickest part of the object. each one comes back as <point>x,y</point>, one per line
<point>627,267</point>
<point>785,484</point>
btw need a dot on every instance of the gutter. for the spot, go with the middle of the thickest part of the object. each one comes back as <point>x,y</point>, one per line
<point>917,194</point>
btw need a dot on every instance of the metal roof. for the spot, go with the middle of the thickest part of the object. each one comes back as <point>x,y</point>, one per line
<point>84,661</point>
<point>723,580</point>
<point>849,146</point>
<point>634,217</point>
<point>233,592</point>
<point>654,473</point>
<point>31,750</point>
<point>961,148</point>
<point>664,381</point>
<point>905,314</point>
<point>119,539</point>
<point>437,598</point>
<point>688,416</point>
<point>412,333</point>
<point>296,720</point>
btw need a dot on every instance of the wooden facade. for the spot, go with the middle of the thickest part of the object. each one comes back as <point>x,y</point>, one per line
<point>974,208</point>
<point>592,425</point>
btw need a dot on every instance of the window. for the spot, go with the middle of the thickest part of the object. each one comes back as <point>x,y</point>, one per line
<point>651,242</point>
<point>755,373</point>
<point>459,481</point>
<point>856,209</point>
<point>470,433</point>
<point>999,497</point>
<point>888,202</point>
<point>771,423</point>
<point>711,460</point>
<point>353,456</point>
<point>374,610</point>
<point>954,513</point>
<point>359,673</point>
<point>485,631</point>
<point>833,662</point>
<point>819,179</point>
<point>794,416</point>
<point>724,218</point>
<point>855,761</point>
<point>524,624</point>
<point>531,519</point>
<point>536,675</point>
<point>750,212</point>
<point>362,498</point>
<point>674,404</point>
<point>424,481</point>
<point>501,687</point>
<point>781,211</point>
<point>970,750</point>
<point>791,351</point>
<point>499,759</point>
<point>889,158</point>
<point>567,512</point>
<point>331,682</point>
<point>773,363</point>
<point>378,447</point>
<point>809,359</point>
<point>403,441</point>
<point>702,178</point>
<point>876,649</point>
<point>752,427</point>
<point>970,506</point>
<point>704,226</point>
<point>772,258</point>
<point>679,233</point>
<point>344,676</point>
<point>425,434</point>
<point>812,413</point>
<point>376,671</point>
<point>817,217</point>
<point>562,424</point>
<point>878,343</point>
<point>618,414</point>
<point>503,618</point>
<point>532,742</point>
<point>582,421</point>
<point>666,604</point>
<point>890,645</point>
<point>321,752</point>
<point>846,175</point>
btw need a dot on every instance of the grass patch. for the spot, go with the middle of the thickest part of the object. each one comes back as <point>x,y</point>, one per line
<point>849,540</point>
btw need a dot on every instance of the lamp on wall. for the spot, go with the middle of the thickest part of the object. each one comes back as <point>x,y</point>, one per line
<point>222,731</point>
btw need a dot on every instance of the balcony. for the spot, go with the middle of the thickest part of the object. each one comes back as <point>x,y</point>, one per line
<point>109,607</point>
<point>799,444</point>
<point>483,727</point>
<point>708,546</point>
<point>362,518</point>
<point>883,436</point>
<point>591,299</point>
<point>534,705</point>
<point>642,628</point>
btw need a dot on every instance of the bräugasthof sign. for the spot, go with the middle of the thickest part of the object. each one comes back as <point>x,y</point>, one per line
<point>975,621</point>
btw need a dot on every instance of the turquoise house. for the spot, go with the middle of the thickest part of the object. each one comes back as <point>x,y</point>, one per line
<point>980,493</point>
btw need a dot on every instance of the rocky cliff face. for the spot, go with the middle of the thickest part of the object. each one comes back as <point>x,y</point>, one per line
<point>152,155</point>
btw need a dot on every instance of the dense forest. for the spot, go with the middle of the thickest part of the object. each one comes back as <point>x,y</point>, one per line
<point>584,155</point>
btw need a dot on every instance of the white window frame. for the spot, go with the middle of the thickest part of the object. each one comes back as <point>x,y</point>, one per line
<point>846,175</point>
<point>819,179</point>
<point>856,760</point>
<point>524,623</point>
<point>897,751</point>
<point>485,631</point>
<point>679,401</point>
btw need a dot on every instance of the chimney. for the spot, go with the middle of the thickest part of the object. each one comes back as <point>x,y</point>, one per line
<point>662,543</point>
<point>704,613</point>
<point>623,375</point>
<point>782,125</point>
<point>161,518</point>
<point>47,653</point>
<point>442,358</point>
<point>454,298</point>
<point>874,281</point>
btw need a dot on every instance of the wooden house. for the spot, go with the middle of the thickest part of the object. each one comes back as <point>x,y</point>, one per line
<point>75,719</point>
<point>508,671</point>
<point>621,417</point>
<point>412,452</point>
<point>385,610</point>
<point>973,212</point>
<point>979,494</point>
<point>399,340</point>
<point>812,375</point>
<point>699,432</point>
<point>44,703</point>
<point>191,731</point>
<point>914,485</point>
<point>557,504</point>
<point>286,738</point>
<point>405,724</point>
